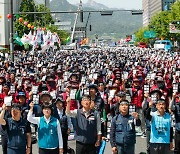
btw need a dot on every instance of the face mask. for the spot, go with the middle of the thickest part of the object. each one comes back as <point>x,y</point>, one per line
<point>136,87</point>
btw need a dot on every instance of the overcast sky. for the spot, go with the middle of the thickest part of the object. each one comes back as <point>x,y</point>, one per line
<point>125,4</point>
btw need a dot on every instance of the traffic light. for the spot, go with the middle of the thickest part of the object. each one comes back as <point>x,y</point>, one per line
<point>136,12</point>
<point>106,13</point>
<point>90,28</point>
<point>81,15</point>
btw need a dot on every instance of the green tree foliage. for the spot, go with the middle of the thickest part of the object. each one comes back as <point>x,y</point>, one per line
<point>27,6</point>
<point>140,35</point>
<point>160,23</point>
<point>43,19</point>
<point>38,20</point>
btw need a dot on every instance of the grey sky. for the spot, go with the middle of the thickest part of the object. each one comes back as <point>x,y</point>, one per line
<point>125,4</point>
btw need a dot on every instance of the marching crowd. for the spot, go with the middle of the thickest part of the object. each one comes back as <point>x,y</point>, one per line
<point>66,91</point>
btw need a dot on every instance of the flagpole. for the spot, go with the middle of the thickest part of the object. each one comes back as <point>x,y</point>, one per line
<point>11,33</point>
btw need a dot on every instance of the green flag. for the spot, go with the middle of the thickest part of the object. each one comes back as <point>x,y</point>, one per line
<point>68,39</point>
<point>17,40</point>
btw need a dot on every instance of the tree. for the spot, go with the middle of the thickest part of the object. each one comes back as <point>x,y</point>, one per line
<point>43,19</point>
<point>160,24</point>
<point>27,6</point>
<point>37,20</point>
<point>140,35</point>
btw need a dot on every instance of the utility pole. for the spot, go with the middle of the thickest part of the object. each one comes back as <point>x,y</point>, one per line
<point>87,24</point>
<point>11,32</point>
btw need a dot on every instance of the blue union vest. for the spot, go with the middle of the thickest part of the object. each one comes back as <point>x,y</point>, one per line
<point>86,131</point>
<point>47,134</point>
<point>17,137</point>
<point>125,131</point>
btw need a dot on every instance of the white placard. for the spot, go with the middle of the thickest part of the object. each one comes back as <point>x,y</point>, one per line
<point>73,94</point>
<point>125,75</point>
<point>146,89</point>
<point>95,76</point>
<point>8,100</point>
<point>53,94</point>
<point>83,80</point>
<point>34,89</point>
<point>86,91</point>
<point>36,99</point>
<point>44,78</point>
<point>44,70</point>
<point>112,93</point>
<point>12,89</point>
<point>175,87</point>
<point>59,82</point>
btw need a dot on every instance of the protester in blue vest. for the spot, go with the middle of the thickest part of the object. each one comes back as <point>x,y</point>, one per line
<point>49,130</point>
<point>161,131</point>
<point>175,108</point>
<point>123,134</point>
<point>88,131</point>
<point>18,131</point>
<point>64,120</point>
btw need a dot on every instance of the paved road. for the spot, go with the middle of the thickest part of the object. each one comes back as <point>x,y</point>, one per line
<point>140,146</point>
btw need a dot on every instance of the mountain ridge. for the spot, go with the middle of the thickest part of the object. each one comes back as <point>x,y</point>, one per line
<point>118,25</point>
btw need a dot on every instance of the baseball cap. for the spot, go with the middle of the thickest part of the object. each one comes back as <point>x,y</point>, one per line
<point>21,94</point>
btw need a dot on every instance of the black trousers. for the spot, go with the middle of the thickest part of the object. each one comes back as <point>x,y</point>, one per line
<point>4,144</point>
<point>177,143</point>
<point>159,148</point>
<point>65,143</point>
<point>82,148</point>
<point>48,151</point>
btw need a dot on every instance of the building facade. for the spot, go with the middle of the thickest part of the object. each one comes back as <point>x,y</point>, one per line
<point>151,7</point>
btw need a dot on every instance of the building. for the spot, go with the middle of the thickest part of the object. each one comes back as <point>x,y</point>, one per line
<point>151,7</point>
<point>66,26</point>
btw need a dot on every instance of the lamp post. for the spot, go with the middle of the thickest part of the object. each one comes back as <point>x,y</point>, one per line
<point>11,33</point>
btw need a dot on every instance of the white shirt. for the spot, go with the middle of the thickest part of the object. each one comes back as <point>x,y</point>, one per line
<point>36,120</point>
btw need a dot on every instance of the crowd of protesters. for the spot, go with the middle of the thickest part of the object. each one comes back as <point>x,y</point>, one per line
<point>77,91</point>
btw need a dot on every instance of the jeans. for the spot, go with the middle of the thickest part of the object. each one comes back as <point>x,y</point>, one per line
<point>16,151</point>
<point>4,144</point>
<point>126,149</point>
<point>148,132</point>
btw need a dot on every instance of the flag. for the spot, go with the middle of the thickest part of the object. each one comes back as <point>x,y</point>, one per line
<point>68,39</point>
<point>17,40</point>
